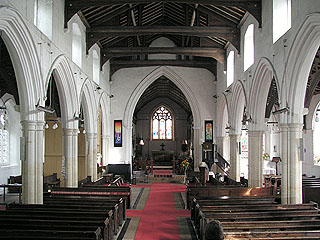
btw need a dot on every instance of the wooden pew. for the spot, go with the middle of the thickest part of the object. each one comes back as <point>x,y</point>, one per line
<point>258,221</point>
<point>311,189</point>
<point>83,202</point>
<point>97,190</point>
<point>231,191</point>
<point>70,218</point>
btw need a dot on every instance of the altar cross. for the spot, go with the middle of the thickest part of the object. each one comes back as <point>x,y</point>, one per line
<point>162,147</point>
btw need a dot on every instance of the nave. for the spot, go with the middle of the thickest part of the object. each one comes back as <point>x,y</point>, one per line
<point>158,213</point>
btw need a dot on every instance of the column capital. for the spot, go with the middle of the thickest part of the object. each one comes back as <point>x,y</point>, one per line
<point>70,131</point>
<point>255,133</point>
<point>30,125</point>
<point>91,135</point>
<point>220,137</point>
<point>291,127</point>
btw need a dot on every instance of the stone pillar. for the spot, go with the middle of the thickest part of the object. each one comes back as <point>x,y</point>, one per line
<point>234,157</point>
<point>255,139</point>
<point>92,155</point>
<point>291,180</point>
<point>197,149</point>
<point>220,145</point>
<point>267,141</point>
<point>105,149</point>
<point>32,164</point>
<point>275,142</point>
<point>70,149</point>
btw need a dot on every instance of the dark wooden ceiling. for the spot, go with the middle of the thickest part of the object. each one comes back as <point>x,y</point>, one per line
<point>124,29</point>
<point>163,88</point>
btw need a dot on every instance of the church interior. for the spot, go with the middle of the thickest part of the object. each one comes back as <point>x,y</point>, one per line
<point>137,119</point>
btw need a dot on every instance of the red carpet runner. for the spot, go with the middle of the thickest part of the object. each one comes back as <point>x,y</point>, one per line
<point>159,218</point>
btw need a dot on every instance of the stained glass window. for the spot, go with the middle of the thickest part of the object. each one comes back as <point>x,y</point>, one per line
<point>162,123</point>
<point>4,140</point>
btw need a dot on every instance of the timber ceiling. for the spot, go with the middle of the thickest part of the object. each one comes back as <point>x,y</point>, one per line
<point>273,98</point>
<point>124,29</point>
<point>163,88</point>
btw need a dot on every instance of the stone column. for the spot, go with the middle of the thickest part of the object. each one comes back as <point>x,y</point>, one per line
<point>92,155</point>
<point>220,145</point>
<point>234,157</point>
<point>255,139</point>
<point>291,180</point>
<point>70,149</point>
<point>197,149</point>
<point>32,164</point>
<point>105,149</point>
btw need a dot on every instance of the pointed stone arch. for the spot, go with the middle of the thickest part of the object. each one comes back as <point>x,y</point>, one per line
<point>90,112</point>
<point>237,103</point>
<point>221,121</point>
<point>69,103</point>
<point>106,126</point>
<point>181,84</point>
<point>258,92</point>
<point>24,58</point>
<point>89,106</point>
<point>298,65</point>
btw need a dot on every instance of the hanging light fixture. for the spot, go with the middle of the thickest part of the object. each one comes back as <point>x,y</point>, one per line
<point>141,143</point>
<point>46,126</point>
<point>55,126</point>
<point>317,117</point>
<point>84,131</point>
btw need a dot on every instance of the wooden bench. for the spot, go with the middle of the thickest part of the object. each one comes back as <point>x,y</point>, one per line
<point>97,190</point>
<point>244,218</point>
<point>231,191</point>
<point>122,191</point>
<point>101,219</point>
<point>98,204</point>
<point>14,180</point>
<point>51,181</point>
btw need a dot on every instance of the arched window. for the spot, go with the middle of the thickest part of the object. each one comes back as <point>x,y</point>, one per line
<point>316,140</point>
<point>4,138</point>
<point>76,45</point>
<point>230,68</point>
<point>162,124</point>
<point>248,47</point>
<point>42,17</point>
<point>95,66</point>
<point>281,18</point>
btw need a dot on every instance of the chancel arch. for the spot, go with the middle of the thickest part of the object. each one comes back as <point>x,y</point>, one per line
<point>185,89</point>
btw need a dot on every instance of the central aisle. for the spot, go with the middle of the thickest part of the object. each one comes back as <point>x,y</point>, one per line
<point>159,218</point>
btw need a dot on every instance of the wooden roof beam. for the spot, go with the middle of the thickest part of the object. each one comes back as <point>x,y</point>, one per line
<point>216,53</point>
<point>252,6</point>
<point>115,65</point>
<point>94,34</point>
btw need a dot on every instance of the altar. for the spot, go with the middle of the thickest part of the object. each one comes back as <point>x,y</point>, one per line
<point>162,157</point>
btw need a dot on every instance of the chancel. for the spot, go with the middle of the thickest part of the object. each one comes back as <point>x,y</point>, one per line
<point>118,117</point>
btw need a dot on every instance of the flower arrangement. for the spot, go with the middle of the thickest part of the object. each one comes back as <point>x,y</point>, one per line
<point>185,164</point>
<point>266,156</point>
<point>317,159</point>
